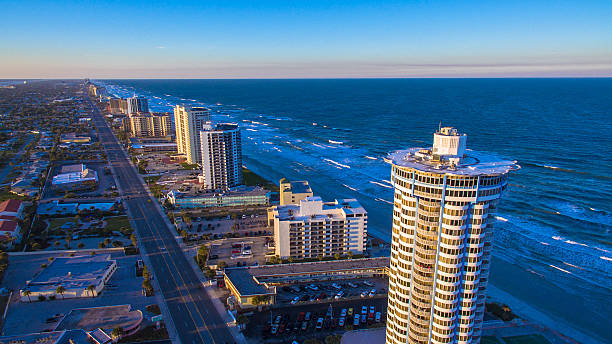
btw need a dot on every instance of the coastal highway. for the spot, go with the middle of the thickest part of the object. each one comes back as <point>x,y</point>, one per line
<point>194,316</point>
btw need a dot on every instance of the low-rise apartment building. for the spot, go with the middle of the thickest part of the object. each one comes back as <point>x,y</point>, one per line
<point>315,228</point>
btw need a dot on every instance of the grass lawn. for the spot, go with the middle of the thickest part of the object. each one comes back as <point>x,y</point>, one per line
<point>116,222</point>
<point>55,224</point>
<point>249,178</point>
<point>527,339</point>
<point>187,166</point>
<point>489,340</point>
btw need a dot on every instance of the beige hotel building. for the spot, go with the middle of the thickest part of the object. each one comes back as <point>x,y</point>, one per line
<point>444,209</point>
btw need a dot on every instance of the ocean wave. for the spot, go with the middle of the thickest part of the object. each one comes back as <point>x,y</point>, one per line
<point>249,129</point>
<point>370,157</point>
<point>381,184</point>
<point>336,163</point>
<point>349,187</point>
<point>335,142</point>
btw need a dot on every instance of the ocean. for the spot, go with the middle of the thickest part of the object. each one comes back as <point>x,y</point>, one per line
<point>553,236</point>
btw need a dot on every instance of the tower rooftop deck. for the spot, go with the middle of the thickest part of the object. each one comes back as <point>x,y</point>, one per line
<point>474,163</point>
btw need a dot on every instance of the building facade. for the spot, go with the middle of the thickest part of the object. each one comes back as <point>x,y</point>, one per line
<point>137,105</point>
<point>238,197</point>
<point>150,125</point>
<point>221,161</point>
<point>294,192</point>
<point>315,229</point>
<point>444,208</point>
<point>188,122</point>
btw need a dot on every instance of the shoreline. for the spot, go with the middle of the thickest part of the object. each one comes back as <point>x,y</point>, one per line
<point>519,306</point>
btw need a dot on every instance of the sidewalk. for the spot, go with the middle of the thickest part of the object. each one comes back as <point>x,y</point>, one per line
<point>214,295</point>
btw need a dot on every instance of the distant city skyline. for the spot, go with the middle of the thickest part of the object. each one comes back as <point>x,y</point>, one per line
<point>314,39</point>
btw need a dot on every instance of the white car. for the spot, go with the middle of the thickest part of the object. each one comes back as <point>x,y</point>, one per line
<point>339,295</point>
<point>364,294</point>
<point>352,285</point>
<point>368,283</point>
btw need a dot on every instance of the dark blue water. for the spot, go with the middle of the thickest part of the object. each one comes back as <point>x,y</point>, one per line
<point>555,223</point>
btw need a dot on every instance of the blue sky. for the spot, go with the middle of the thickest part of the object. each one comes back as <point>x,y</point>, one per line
<point>277,39</point>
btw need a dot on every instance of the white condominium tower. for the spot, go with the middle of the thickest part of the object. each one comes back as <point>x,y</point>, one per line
<point>444,208</point>
<point>313,229</point>
<point>189,121</point>
<point>137,105</point>
<point>221,156</point>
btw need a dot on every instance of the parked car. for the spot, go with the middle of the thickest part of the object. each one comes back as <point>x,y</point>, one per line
<point>372,293</point>
<point>295,300</point>
<point>364,293</point>
<point>336,286</point>
<point>339,295</point>
<point>363,318</point>
<point>304,325</point>
<point>307,316</point>
<point>352,285</point>
<point>343,312</point>
<point>372,310</point>
<point>377,317</point>
<point>313,287</point>
<point>274,329</point>
<point>356,320</point>
<point>277,320</point>
<point>341,322</point>
<point>350,312</point>
<point>301,316</point>
<point>368,283</point>
<point>319,324</point>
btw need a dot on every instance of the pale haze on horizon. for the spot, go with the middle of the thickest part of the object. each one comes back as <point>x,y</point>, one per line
<point>308,39</point>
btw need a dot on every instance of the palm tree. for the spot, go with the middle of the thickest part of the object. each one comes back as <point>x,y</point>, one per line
<point>27,292</point>
<point>117,332</point>
<point>60,290</point>
<point>91,288</point>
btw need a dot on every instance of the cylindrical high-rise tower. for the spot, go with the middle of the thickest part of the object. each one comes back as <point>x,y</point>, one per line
<point>444,205</point>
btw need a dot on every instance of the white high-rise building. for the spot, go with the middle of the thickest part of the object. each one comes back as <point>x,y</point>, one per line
<point>444,209</point>
<point>314,228</point>
<point>221,156</point>
<point>189,121</point>
<point>137,105</point>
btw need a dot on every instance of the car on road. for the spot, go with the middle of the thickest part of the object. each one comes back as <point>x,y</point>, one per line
<point>319,324</point>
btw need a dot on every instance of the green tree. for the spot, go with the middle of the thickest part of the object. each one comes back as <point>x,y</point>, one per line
<point>261,299</point>
<point>332,339</point>
<point>27,292</point>
<point>210,273</point>
<point>117,332</point>
<point>91,288</point>
<point>60,290</point>
<point>337,256</point>
<point>242,321</point>
<point>221,265</point>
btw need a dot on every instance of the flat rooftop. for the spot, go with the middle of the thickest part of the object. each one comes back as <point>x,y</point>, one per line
<point>71,272</point>
<point>248,280</point>
<point>105,318</point>
<point>54,337</point>
<point>473,164</point>
<point>301,186</point>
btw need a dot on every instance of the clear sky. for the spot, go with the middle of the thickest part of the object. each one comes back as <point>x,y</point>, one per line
<point>296,39</point>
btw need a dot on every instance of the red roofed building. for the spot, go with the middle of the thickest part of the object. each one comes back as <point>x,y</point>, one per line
<point>10,232</point>
<point>12,208</point>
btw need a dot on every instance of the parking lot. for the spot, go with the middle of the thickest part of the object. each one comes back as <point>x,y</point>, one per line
<point>104,188</point>
<point>238,251</point>
<point>300,322</point>
<point>332,290</point>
